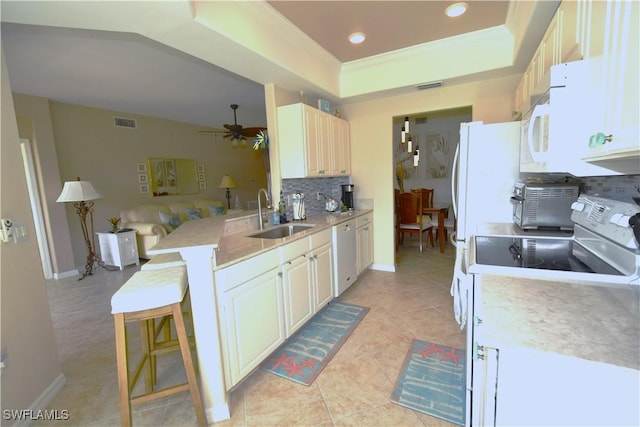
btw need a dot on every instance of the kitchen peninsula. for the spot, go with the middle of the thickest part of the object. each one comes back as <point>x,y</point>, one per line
<point>215,248</point>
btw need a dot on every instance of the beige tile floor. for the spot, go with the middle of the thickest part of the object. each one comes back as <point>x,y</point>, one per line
<point>353,390</point>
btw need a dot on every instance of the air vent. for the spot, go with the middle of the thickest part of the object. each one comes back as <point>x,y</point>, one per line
<point>429,85</point>
<point>122,122</point>
<point>421,120</point>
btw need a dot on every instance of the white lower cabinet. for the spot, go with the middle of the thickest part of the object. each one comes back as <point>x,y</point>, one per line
<point>364,237</point>
<point>322,264</point>
<point>298,294</point>
<point>307,276</point>
<point>251,314</point>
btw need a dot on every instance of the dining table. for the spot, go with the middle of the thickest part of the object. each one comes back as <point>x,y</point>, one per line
<point>442,210</point>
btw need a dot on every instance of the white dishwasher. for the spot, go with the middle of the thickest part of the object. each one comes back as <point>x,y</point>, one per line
<point>344,255</point>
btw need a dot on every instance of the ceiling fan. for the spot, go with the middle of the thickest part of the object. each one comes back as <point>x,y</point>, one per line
<point>236,132</point>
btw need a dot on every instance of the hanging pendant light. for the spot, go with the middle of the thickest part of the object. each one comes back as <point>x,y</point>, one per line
<point>406,124</point>
<point>409,144</point>
<point>403,135</point>
<point>416,156</point>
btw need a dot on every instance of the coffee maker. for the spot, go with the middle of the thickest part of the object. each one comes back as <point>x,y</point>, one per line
<point>347,196</point>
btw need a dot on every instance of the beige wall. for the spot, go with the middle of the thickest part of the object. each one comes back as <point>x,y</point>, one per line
<point>371,142</point>
<point>36,126</point>
<point>89,146</point>
<point>27,330</point>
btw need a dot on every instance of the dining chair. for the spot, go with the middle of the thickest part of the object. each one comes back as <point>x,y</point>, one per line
<point>411,217</point>
<point>427,196</point>
<point>427,202</point>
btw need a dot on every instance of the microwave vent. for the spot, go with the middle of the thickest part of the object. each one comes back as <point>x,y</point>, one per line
<point>123,122</point>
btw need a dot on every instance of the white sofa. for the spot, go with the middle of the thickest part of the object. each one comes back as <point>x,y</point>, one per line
<point>155,221</point>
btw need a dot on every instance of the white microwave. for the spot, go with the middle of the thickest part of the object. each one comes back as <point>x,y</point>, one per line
<point>553,133</point>
<point>542,126</point>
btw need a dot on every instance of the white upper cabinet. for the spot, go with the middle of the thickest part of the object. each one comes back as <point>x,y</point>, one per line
<point>614,122</point>
<point>603,138</point>
<point>312,143</point>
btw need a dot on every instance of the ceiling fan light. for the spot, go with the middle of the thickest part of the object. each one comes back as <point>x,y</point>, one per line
<point>357,37</point>
<point>456,9</point>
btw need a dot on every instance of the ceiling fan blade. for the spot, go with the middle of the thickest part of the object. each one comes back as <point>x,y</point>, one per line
<point>214,131</point>
<point>252,132</point>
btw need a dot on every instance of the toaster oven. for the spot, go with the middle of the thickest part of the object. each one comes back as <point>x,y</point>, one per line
<point>544,206</point>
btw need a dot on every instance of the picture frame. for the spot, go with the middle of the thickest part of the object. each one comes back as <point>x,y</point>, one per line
<point>323,105</point>
<point>143,178</point>
<point>201,176</point>
<point>144,188</point>
<point>200,167</point>
<point>203,185</point>
<point>142,167</point>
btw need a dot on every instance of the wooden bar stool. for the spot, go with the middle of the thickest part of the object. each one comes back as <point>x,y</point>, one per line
<point>156,262</point>
<point>149,295</point>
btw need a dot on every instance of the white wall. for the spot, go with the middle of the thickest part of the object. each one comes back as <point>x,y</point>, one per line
<point>372,136</point>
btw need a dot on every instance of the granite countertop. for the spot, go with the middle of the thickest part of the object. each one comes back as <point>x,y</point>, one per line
<point>586,321</point>
<point>228,235</point>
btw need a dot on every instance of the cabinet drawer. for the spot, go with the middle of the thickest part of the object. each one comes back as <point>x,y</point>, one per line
<point>232,276</point>
<point>321,238</point>
<point>364,219</point>
<point>126,238</point>
<point>293,250</point>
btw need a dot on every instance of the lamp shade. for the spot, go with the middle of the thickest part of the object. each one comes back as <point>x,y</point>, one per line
<point>227,182</point>
<point>77,191</point>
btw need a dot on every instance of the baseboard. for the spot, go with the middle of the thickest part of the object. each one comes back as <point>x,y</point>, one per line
<point>43,400</point>
<point>66,274</point>
<point>219,412</point>
<point>383,267</point>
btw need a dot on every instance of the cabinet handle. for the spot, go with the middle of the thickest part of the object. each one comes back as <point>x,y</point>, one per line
<point>599,139</point>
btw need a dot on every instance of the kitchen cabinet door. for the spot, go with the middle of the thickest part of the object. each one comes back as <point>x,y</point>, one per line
<point>312,143</point>
<point>323,276</point>
<point>253,324</point>
<point>298,297</point>
<point>340,148</point>
<point>614,122</point>
<point>526,387</point>
<point>364,236</point>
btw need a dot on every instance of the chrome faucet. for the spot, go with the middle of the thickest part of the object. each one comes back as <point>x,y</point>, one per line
<point>266,196</point>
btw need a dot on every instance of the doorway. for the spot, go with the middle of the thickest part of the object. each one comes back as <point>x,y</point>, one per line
<point>435,135</point>
<point>36,207</point>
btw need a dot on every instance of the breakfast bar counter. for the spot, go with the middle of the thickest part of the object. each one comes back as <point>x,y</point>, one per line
<point>210,244</point>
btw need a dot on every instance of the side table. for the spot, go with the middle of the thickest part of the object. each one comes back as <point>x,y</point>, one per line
<point>119,249</point>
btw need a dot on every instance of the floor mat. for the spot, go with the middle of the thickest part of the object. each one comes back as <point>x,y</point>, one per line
<point>305,354</point>
<point>432,381</point>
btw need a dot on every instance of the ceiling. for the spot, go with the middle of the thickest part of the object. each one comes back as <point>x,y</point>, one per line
<point>388,25</point>
<point>128,72</point>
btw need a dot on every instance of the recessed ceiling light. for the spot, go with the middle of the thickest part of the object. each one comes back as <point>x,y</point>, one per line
<point>456,9</point>
<point>357,38</point>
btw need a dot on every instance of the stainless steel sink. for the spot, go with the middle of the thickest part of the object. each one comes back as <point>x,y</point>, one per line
<point>282,231</point>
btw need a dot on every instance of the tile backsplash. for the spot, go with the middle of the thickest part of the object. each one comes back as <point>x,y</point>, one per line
<point>310,188</point>
<point>622,187</point>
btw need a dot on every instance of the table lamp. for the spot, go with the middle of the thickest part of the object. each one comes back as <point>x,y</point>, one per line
<point>228,183</point>
<point>82,194</point>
